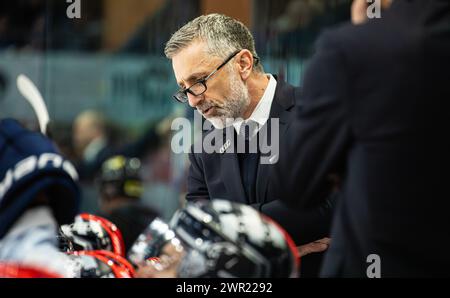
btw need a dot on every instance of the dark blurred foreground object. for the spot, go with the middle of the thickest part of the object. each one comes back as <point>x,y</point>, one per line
<point>379,123</point>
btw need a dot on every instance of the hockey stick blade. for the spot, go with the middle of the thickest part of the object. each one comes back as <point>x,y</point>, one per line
<point>31,93</point>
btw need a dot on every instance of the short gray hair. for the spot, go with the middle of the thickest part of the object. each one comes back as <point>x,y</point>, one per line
<point>222,34</point>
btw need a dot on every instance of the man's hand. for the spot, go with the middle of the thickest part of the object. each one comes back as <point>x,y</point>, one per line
<point>316,246</point>
<point>359,12</point>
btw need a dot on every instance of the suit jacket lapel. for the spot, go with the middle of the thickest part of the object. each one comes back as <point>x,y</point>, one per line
<point>283,101</point>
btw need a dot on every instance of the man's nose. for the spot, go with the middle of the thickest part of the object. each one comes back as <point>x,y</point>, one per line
<point>194,100</point>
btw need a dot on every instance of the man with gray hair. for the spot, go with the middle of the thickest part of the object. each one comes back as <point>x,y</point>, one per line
<point>219,74</point>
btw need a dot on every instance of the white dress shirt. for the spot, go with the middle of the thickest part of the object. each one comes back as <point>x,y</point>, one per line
<point>262,110</point>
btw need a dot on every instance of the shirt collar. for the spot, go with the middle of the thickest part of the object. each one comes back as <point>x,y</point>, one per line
<point>261,113</point>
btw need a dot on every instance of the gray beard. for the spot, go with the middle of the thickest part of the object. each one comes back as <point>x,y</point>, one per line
<point>234,104</point>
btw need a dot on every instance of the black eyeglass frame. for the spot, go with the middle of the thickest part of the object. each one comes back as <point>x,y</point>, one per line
<point>181,95</point>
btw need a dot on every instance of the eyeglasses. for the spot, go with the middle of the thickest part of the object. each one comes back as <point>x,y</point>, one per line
<point>199,87</point>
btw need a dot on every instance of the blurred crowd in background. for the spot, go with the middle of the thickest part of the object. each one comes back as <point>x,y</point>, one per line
<point>108,85</point>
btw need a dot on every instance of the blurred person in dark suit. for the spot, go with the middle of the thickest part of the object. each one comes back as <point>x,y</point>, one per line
<point>91,143</point>
<point>220,75</point>
<point>96,138</point>
<point>374,113</point>
<point>120,188</point>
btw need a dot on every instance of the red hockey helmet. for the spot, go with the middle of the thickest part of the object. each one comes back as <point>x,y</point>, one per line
<point>102,264</point>
<point>91,232</point>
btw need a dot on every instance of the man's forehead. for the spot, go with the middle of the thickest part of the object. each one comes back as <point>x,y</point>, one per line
<point>191,62</point>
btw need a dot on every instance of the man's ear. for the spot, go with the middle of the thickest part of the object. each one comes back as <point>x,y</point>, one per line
<point>245,62</point>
